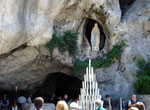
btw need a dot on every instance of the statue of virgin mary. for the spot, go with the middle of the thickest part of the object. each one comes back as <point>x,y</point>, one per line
<point>95,38</point>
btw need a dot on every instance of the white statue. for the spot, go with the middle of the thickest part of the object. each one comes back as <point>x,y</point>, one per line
<point>95,38</point>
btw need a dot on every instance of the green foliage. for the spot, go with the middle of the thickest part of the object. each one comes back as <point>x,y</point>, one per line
<point>101,6</point>
<point>143,83</point>
<point>149,19</point>
<point>105,63</point>
<point>67,42</point>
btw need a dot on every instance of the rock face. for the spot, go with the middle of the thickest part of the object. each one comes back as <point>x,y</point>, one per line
<point>145,99</point>
<point>27,68</point>
<point>27,25</point>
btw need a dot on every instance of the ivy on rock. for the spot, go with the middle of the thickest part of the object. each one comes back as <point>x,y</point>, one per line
<point>101,63</point>
<point>142,85</point>
<point>65,42</point>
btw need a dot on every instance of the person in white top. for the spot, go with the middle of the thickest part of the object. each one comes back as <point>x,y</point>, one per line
<point>38,103</point>
<point>132,101</point>
<point>74,106</point>
<point>21,101</point>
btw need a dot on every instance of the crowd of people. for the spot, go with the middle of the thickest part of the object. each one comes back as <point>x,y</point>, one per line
<point>65,104</point>
<point>133,104</point>
<point>6,103</point>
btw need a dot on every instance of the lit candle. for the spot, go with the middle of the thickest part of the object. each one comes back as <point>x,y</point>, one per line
<point>87,92</point>
<point>86,102</point>
<point>92,73</point>
<point>87,74</point>
<point>91,106</point>
<point>90,92</point>
<point>94,77</point>
<point>84,77</point>
<point>98,92</point>
<point>94,105</point>
<point>89,69</point>
<point>83,85</point>
<point>89,63</point>
<point>95,88</point>
<point>87,85</point>
<point>83,105</point>
<point>90,85</point>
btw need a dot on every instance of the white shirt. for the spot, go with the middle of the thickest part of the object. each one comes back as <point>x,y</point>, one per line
<point>21,100</point>
<point>130,101</point>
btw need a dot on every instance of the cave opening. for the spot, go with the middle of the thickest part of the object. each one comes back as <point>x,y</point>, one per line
<point>88,29</point>
<point>59,84</point>
<point>125,5</point>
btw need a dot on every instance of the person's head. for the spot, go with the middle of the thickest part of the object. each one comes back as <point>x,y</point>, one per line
<point>61,105</point>
<point>38,103</point>
<point>140,105</point>
<point>98,103</point>
<point>134,97</point>
<point>74,106</point>
<point>107,97</point>
<point>133,108</point>
<point>65,96</point>
<point>123,101</point>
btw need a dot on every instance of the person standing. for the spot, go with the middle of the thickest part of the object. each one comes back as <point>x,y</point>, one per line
<point>98,104</point>
<point>74,106</point>
<point>5,102</point>
<point>21,101</point>
<point>13,104</point>
<point>123,104</point>
<point>132,101</point>
<point>65,98</point>
<point>61,105</point>
<point>106,102</point>
<point>38,103</point>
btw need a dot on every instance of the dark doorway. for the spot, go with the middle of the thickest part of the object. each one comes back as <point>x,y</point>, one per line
<point>59,84</point>
<point>89,27</point>
<point>125,5</point>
